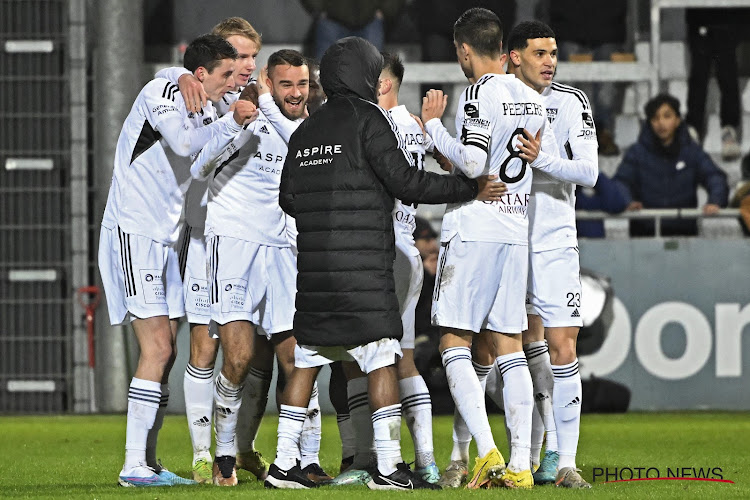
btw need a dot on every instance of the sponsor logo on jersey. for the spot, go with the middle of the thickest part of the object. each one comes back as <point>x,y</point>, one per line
<point>208,120</point>
<point>149,278</point>
<point>195,287</point>
<point>264,130</point>
<point>588,120</point>
<point>471,110</point>
<point>551,114</point>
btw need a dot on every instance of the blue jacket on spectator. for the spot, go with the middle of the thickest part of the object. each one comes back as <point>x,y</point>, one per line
<point>607,196</point>
<point>668,177</point>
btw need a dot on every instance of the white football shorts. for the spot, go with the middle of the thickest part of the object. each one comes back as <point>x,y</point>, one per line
<point>194,272</point>
<point>479,286</point>
<point>251,282</point>
<point>554,287</point>
<point>409,275</point>
<point>369,357</point>
<point>141,277</point>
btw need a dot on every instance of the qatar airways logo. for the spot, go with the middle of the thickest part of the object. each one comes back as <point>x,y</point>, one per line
<point>319,155</point>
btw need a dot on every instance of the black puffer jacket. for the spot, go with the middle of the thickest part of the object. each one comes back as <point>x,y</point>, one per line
<point>343,170</point>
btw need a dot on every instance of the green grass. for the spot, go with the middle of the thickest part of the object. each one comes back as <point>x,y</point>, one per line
<point>80,456</point>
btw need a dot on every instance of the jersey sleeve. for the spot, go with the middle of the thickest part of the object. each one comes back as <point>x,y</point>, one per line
<point>284,126</point>
<point>469,152</point>
<point>581,166</point>
<point>172,74</point>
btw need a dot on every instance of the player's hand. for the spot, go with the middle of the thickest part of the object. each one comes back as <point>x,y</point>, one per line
<point>442,161</point>
<point>433,105</point>
<point>264,84</point>
<point>245,112</point>
<point>250,93</point>
<point>192,92</point>
<point>490,189</point>
<point>634,205</point>
<point>419,122</point>
<point>530,146</point>
<point>710,209</point>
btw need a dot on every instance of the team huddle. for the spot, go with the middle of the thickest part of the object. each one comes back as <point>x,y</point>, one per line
<point>277,217</point>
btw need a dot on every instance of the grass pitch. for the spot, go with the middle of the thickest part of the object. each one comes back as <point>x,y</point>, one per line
<point>80,456</point>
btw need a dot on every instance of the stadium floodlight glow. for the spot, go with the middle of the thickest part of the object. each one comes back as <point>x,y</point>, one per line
<point>29,164</point>
<point>29,46</point>
<point>31,386</point>
<point>32,275</point>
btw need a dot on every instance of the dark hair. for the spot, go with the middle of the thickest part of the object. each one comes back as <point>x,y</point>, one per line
<point>286,57</point>
<point>519,36</point>
<point>393,64</point>
<point>654,104</point>
<point>481,29</point>
<point>208,51</point>
<point>312,64</point>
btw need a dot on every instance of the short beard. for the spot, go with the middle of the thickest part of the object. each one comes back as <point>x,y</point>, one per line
<point>280,104</point>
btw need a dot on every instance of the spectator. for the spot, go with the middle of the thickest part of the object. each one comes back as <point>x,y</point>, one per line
<point>584,27</point>
<point>741,198</point>
<point>336,19</point>
<point>713,36</point>
<point>606,196</point>
<point>664,168</point>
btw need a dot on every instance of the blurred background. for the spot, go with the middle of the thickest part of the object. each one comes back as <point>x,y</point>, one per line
<point>670,330</point>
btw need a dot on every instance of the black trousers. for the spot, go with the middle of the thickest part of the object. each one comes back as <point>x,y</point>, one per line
<point>709,44</point>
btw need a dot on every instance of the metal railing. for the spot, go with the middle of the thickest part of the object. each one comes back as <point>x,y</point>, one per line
<point>658,214</point>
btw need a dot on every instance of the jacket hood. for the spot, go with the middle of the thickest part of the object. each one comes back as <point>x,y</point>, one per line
<point>351,67</point>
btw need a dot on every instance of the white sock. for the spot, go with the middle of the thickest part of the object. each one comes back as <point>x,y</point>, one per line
<point>198,386</point>
<point>518,393</point>
<point>494,389</point>
<point>309,443</point>
<point>566,400</point>
<point>468,396</point>
<point>416,407</point>
<point>144,397</point>
<point>254,401</point>
<point>386,424</point>
<point>291,420</point>
<point>537,355</point>
<point>153,433</point>
<point>359,412</point>
<point>346,431</point>
<point>537,437</point>
<point>227,401</point>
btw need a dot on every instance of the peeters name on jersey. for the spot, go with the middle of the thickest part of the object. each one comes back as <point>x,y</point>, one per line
<point>243,196</point>
<point>492,114</point>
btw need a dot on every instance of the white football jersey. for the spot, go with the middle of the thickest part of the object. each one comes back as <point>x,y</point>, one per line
<point>569,115</point>
<point>491,115</point>
<point>149,179</point>
<point>416,143</point>
<point>222,106</point>
<point>243,196</point>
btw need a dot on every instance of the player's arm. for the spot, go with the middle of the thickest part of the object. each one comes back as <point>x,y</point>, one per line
<point>183,138</point>
<point>470,154</point>
<point>190,87</point>
<point>394,166</point>
<point>284,126</point>
<point>286,188</point>
<point>223,148</point>
<point>582,166</point>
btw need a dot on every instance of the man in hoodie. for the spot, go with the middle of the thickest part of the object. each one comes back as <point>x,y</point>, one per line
<point>344,168</point>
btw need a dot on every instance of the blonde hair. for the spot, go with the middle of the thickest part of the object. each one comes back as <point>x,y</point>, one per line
<point>237,26</point>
